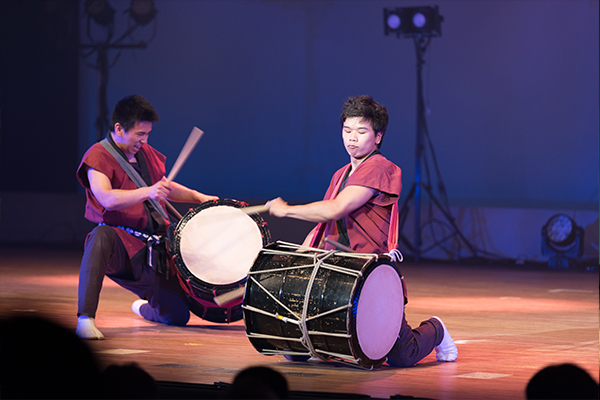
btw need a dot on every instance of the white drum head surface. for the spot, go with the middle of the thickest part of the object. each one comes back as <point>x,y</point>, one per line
<point>219,244</point>
<point>379,312</point>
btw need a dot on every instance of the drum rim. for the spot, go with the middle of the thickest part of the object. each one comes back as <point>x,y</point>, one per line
<point>192,282</point>
<point>351,325</point>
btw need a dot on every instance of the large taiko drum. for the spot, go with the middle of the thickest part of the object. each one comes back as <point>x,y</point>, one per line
<point>215,245</point>
<point>346,307</point>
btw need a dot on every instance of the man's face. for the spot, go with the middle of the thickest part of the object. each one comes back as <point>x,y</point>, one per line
<point>359,137</point>
<point>132,140</point>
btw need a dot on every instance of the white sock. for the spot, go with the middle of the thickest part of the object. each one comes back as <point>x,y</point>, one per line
<point>86,328</point>
<point>135,307</point>
<point>447,350</point>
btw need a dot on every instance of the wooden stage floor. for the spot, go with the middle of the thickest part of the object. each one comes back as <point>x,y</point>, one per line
<point>507,321</point>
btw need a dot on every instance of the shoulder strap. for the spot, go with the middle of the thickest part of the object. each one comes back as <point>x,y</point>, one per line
<point>133,174</point>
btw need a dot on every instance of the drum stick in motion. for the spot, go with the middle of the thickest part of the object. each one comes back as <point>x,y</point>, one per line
<point>339,245</point>
<point>189,145</point>
<point>230,296</point>
<point>255,209</point>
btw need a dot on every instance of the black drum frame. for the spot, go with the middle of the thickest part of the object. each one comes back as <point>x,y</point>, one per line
<point>304,344</point>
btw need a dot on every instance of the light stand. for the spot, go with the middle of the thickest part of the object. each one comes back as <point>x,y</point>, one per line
<point>421,24</point>
<point>141,12</point>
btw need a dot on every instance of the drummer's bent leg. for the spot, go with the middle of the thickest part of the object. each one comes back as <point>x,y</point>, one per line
<point>166,300</point>
<point>104,252</point>
<point>413,345</point>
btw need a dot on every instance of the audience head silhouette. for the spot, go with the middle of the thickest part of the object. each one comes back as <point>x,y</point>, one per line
<point>258,383</point>
<point>128,381</point>
<point>564,381</point>
<point>41,359</point>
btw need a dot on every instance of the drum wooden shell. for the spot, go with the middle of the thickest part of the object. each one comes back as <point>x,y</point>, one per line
<point>353,334</point>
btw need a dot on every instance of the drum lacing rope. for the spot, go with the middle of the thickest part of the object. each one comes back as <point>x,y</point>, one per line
<point>276,300</point>
<point>395,255</point>
<point>318,260</point>
<point>364,256</point>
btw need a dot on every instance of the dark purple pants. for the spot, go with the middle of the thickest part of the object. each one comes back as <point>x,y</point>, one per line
<point>105,254</point>
<point>413,345</point>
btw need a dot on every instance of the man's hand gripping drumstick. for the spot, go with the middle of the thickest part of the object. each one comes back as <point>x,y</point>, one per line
<point>174,191</point>
<point>239,292</point>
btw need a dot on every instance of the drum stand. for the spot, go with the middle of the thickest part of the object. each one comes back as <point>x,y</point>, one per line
<point>424,143</point>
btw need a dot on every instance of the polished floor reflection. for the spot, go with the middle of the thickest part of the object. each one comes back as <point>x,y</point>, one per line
<point>507,321</point>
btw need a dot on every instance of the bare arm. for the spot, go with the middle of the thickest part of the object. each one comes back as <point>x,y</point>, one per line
<point>348,200</point>
<point>182,194</point>
<point>117,199</point>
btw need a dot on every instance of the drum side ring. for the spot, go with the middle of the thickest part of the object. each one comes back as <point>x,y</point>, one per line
<point>367,269</point>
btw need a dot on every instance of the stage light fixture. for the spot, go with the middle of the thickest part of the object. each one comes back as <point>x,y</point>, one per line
<point>100,11</point>
<point>561,239</point>
<point>408,22</point>
<point>419,20</point>
<point>142,11</point>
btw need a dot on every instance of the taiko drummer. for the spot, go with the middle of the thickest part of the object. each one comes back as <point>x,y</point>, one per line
<point>360,212</point>
<point>128,244</point>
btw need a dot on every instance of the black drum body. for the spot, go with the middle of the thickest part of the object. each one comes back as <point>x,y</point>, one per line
<point>345,307</point>
<point>215,245</point>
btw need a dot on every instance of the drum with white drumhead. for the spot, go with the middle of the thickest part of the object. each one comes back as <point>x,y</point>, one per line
<point>346,307</point>
<point>215,245</point>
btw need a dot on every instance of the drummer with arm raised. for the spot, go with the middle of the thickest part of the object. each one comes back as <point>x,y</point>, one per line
<point>128,244</point>
<point>360,212</point>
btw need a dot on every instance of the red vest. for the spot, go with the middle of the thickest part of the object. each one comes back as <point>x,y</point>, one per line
<point>135,216</point>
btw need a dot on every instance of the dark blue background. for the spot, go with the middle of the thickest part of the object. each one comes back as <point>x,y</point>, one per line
<point>511,86</point>
<point>512,89</point>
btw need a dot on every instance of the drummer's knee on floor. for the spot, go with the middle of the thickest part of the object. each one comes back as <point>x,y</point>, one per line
<point>179,318</point>
<point>399,363</point>
<point>398,359</point>
<point>174,316</point>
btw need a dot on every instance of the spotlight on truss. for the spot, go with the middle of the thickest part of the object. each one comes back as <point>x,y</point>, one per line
<point>142,11</point>
<point>409,22</point>
<point>100,11</point>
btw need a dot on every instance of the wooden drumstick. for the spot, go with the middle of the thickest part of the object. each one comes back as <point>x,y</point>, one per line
<point>255,209</point>
<point>230,296</point>
<point>189,145</point>
<point>339,245</point>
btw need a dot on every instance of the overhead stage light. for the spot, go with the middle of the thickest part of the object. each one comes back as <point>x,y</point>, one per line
<point>419,20</point>
<point>561,239</point>
<point>393,21</point>
<point>100,11</point>
<point>413,21</point>
<point>142,11</point>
